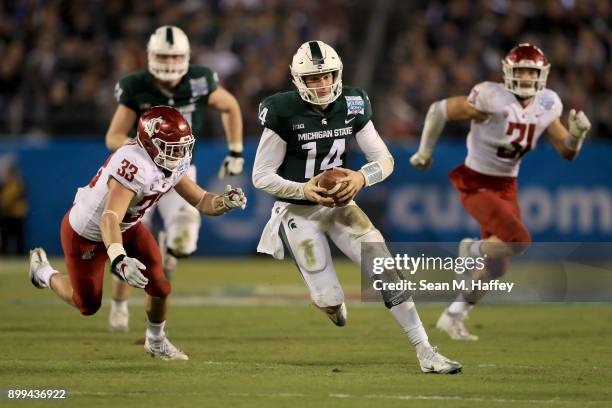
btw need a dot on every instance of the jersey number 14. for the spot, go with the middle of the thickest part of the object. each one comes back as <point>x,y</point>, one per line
<point>333,158</point>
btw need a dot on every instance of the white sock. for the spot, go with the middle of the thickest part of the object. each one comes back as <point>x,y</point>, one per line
<point>45,272</point>
<point>406,315</point>
<point>459,306</point>
<point>119,305</point>
<point>474,248</point>
<point>156,330</point>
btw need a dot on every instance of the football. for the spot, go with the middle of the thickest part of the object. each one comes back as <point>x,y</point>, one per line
<point>329,181</point>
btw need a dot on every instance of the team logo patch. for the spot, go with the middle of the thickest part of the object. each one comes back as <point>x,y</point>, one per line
<point>199,86</point>
<point>355,105</point>
<point>151,127</point>
<point>547,103</point>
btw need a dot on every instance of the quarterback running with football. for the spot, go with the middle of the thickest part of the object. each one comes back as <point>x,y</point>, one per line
<point>170,80</point>
<point>105,222</point>
<point>306,131</point>
<point>507,119</point>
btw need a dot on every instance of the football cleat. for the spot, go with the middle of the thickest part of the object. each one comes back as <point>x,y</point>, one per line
<point>118,321</point>
<point>452,324</point>
<point>38,258</point>
<point>433,362</point>
<point>336,314</point>
<point>162,348</point>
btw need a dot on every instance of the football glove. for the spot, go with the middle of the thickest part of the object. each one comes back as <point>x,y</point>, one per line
<point>232,165</point>
<point>129,269</point>
<point>232,197</point>
<point>579,124</point>
<point>421,160</point>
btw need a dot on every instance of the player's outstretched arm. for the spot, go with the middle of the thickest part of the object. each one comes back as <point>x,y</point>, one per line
<point>117,134</point>
<point>455,108</point>
<point>117,203</point>
<point>231,117</point>
<point>569,143</point>
<point>211,203</point>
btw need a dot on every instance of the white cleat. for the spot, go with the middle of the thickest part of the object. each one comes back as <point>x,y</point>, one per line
<point>336,314</point>
<point>162,348</point>
<point>118,321</point>
<point>433,362</point>
<point>452,324</point>
<point>38,258</point>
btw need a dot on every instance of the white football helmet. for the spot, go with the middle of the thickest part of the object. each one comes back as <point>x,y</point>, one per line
<point>168,40</point>
<point>316,57</point>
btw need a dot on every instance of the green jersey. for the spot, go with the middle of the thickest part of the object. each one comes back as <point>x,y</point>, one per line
<point>139,91</point>
<point>316,141</point>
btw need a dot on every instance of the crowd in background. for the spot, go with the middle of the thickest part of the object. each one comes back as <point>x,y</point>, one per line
<point>61,59</point>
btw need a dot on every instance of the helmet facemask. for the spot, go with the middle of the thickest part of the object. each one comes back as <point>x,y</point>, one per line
<point>316,58</point>
<point>165,43</point>
<point>525,56</point>
<point>172,154</point>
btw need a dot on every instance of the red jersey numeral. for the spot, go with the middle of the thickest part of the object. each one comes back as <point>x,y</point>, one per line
<point>518,150</point>
<point>127,170</point>
<point>144,203</point>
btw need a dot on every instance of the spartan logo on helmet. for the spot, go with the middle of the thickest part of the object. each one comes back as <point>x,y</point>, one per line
<point>316,57</point>
<point>168,53</point>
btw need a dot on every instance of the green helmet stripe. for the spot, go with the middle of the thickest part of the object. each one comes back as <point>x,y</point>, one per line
<point>315,51</point>
<point>169,36</point>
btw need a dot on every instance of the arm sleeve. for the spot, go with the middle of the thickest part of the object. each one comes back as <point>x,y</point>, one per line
<point>269,157</point>
<point>380,161</point>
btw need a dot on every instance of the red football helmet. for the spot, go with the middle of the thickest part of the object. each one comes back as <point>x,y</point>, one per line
<point>166,136</point>
<point>525,56</point>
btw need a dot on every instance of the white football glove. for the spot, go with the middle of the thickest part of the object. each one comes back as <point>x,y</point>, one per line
<point>421,160</point>
<point>232,197</point>
<point>232,165</point>
<point>129,269</point>
<point>579,124</point>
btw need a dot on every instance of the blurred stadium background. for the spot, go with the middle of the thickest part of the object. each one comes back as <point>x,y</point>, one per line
<point>62,58</point>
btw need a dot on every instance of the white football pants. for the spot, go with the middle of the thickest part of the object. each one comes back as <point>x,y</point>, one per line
<point>305,229</point>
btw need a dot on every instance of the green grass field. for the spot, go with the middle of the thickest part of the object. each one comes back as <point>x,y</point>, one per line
<point>254,341</point>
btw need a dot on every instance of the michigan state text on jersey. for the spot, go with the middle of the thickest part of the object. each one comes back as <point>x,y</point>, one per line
<point>316,141</point>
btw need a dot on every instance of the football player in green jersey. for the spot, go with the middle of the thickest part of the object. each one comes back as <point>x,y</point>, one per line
<point>170,80</point>
<point>305,133</point>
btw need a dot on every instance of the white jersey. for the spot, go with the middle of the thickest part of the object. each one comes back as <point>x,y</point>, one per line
<point>131,166</point>
<point>497,145</point>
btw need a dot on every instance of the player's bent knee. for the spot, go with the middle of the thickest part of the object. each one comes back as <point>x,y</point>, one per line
<point>310,256</point>
<point>160,288</point>
<point>521,240</point>
<point>89,309</point>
